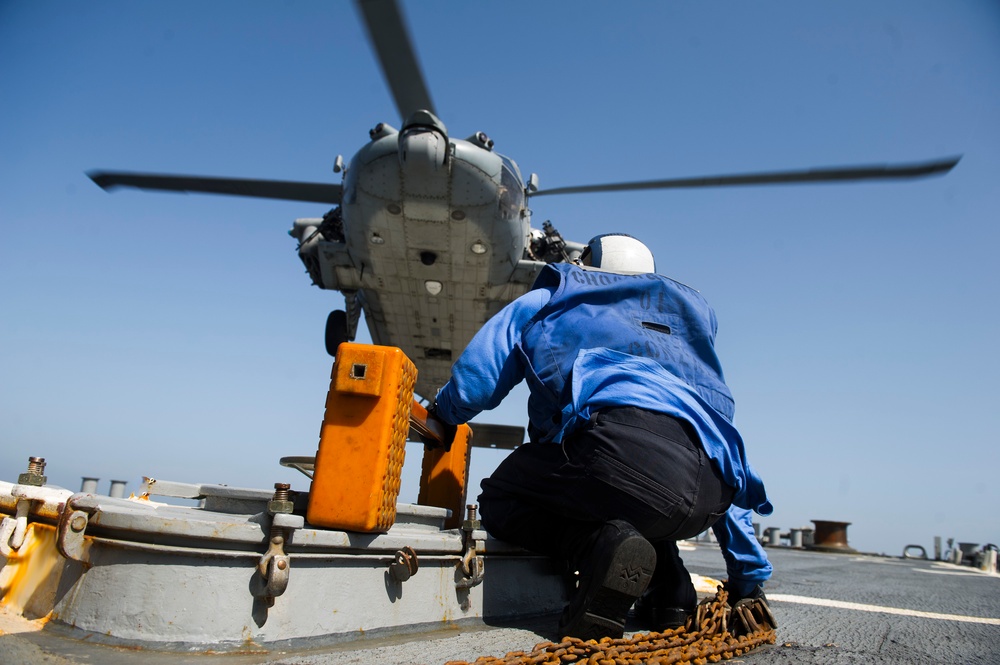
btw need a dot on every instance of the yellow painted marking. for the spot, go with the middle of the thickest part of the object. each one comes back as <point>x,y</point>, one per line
<point>705,584</point>
<point>860,607</point>
<point>29,567</point>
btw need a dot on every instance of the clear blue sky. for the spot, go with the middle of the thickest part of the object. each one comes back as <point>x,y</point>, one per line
<point>178,336</point>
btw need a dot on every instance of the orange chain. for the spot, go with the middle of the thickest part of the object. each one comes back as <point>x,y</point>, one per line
<point>715,639</point>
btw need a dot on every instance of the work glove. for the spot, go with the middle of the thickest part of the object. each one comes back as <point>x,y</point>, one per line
<point>754,600</point>
<point>447,429</point>
<point>739,590</point>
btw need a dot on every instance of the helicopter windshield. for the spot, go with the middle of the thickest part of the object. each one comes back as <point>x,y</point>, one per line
<point>512,188</point>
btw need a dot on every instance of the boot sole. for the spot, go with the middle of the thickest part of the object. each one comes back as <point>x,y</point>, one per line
<point>607,601</point>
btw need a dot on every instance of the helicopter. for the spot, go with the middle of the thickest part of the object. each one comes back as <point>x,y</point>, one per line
<point>431,235</point>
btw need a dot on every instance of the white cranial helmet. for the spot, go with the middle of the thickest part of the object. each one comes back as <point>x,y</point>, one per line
<point>618,252</point>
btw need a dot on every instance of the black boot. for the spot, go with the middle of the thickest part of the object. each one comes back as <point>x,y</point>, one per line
<point>614,574</point>
<point>651,616</point>
<point>670,598</point>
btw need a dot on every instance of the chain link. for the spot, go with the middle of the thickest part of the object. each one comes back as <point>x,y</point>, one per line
<point>716,638</point>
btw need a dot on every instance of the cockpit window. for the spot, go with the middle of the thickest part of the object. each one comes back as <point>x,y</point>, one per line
<point>511,188</point>
<point>512,165</point>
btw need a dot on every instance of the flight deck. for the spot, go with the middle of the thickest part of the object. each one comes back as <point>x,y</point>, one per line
<point>831,608</point>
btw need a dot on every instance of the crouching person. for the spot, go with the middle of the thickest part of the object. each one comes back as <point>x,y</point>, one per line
<point>631,445</point>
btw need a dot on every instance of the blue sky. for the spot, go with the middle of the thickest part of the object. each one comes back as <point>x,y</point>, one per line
<point>178,336</point>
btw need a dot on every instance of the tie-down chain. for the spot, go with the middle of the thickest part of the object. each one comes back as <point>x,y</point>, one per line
<point>715,632</point>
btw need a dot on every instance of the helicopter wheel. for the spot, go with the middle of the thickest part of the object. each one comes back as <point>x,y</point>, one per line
<point>336,330</point>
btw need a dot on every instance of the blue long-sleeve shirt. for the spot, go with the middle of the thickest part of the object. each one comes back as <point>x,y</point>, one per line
<point>495,362</point>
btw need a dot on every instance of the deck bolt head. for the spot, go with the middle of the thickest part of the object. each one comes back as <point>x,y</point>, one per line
<point>78,523</point>
<point>35,474</point>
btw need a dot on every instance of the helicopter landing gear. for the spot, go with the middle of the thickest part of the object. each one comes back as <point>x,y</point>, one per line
<point>336,330</point>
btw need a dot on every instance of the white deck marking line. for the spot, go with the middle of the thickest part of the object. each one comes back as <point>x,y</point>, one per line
<point>883,562</point>
<point>840,604</point>
<point>952,572</point>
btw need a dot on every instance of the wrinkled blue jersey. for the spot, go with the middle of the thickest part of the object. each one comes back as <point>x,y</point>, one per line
<point>645,315</point>
<point>585,340</point>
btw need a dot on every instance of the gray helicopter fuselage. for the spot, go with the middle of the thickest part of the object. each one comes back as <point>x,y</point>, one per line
<point>433,242</point>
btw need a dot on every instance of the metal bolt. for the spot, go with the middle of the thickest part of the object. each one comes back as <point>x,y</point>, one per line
<point>471,523</point>
<point>281,564</point>
<point>36,473</point>
<point>282,501</point>
<point>78,523</point>
<point>36,465</point>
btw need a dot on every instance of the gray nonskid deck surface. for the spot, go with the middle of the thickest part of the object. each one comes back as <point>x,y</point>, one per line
<point>822,634</point>
<point>809,633</point>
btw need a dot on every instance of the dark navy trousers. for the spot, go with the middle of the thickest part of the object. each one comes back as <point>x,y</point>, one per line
<point>626,463</point>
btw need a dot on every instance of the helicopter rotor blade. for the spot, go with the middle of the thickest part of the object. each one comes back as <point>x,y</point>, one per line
<point>287,190</point>
<point>836,174</point>
<point>391,41</point>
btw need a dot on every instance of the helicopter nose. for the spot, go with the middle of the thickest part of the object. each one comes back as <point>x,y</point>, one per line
<point>423,155</point>
<point>422,148</point>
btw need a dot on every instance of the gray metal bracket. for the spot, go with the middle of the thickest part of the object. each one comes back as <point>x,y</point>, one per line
<point>70,539</point>
<point>404,565</point>
<point>473,565</point>
<point>275,565</point>
<point>30,499</point>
